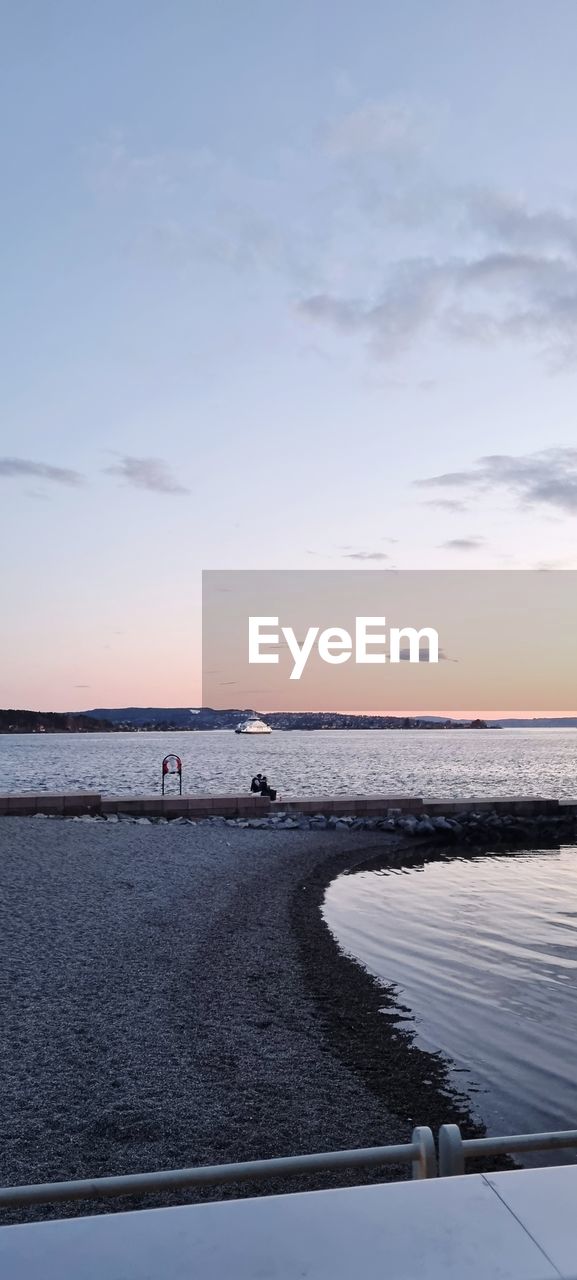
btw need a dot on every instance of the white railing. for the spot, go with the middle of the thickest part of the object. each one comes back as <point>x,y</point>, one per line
<point>454,1149</point>
<point>419,1153</point>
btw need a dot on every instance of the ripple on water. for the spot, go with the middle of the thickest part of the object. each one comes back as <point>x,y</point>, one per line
<point>442,763</point>
<point>483,951</point>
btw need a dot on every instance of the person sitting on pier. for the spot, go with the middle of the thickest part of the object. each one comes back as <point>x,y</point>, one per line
<point>265,790</point>
<point>260,785</point>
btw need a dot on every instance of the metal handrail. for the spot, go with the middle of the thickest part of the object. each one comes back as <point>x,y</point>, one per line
<point>454,1149</point>
<point>419,1153</point>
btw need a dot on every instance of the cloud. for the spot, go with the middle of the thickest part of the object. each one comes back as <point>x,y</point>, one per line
<point>115,167</point>
<point>37,495</point>
<point>41,470</point>
<point>446,504</point>
<point>411,299</point>
<point>545,478</point>
<point>463,544</point>
<point>405,655</point>
<point>147,473</point>
<point>366,555</point>
<point>500,295</point>
<point>340,313</point>
<point>191,206</point>
<point>510,273</point>
<point>344,551</point>
<point>510,219</point>
<point>477,264</point>
<point>376,128</point>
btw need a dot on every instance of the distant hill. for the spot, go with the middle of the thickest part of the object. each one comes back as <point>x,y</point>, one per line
<point>170,717</point>
<point>12,721</point>
<point>189,719</point>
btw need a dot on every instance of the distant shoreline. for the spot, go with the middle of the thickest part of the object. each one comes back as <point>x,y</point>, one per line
<point>153,720</point>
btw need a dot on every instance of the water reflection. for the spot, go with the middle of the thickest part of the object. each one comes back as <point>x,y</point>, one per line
<point>483,951</point>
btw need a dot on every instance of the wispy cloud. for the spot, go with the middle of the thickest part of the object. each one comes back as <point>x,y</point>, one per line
<point>191,205</point>
<point>37,495</point>
<point>500,295</point>
<point>454,505</point>
<point>478,264</point>
<point>147,473</point>
<point>511,219</point>
<point>13,467</point>
<point>510,273</point>
<point>545,478</point>
<point>347,551</point>
<point>463,544</point>
<point>377,128</point>
<point>115,166</point>
<point>365,555</point>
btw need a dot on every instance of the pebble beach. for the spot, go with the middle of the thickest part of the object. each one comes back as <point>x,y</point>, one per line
<point>171,996</point>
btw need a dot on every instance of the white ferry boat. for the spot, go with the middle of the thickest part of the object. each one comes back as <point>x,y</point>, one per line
<point>254,725</point>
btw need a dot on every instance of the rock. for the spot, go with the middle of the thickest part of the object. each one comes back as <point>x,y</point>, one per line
<point>112,817</point>
<point>143,822</point>
<point>424,827</point>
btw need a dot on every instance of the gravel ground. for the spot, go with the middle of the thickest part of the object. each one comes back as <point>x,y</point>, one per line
<point>170,996</point>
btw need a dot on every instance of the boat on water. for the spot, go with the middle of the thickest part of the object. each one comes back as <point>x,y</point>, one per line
<point>253,725</point>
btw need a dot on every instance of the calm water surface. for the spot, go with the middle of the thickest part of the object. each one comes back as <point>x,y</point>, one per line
<point>483,951</point>
<point>433,763</point>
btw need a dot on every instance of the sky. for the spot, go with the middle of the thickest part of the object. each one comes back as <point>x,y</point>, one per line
<point>283,287</point>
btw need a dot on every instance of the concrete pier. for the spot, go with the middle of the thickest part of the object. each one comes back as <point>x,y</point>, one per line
<point>76,804</point>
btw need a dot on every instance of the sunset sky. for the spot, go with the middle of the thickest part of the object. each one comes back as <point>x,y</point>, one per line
<point>283,287</point>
